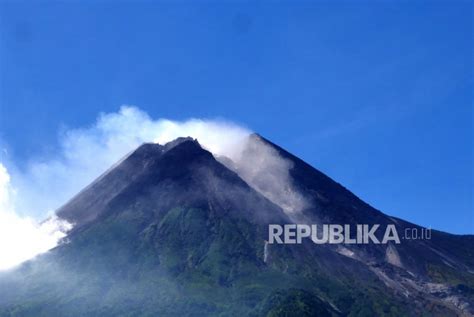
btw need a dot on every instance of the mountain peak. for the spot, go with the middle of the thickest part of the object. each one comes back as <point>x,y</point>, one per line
<point>180,166</point>
<point>178,141</point>
<point>87,204</point>
<point>149,148</point>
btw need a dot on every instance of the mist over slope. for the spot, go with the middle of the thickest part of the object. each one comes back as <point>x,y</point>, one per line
<point>31,192</point>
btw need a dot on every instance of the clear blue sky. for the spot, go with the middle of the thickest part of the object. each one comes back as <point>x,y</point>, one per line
<point>378,95</point>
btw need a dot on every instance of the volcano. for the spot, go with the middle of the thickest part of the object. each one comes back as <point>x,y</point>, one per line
<point>173,230</point>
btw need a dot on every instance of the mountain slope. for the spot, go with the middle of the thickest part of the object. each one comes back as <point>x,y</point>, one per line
<point>442,262</point>
<point>171,231</point>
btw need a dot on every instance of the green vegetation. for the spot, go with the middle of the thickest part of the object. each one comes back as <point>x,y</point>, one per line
<point>183,263</point>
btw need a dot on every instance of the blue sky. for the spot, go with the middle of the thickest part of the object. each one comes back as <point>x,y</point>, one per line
<point>378,95</point>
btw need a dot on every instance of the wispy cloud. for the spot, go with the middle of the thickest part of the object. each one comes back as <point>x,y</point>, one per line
<point>35,191</point>
<point>21,237</point>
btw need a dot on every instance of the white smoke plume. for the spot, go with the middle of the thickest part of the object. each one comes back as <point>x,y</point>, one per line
<point>45,184</point>
<point>21,238</point>
<point>266,171</point>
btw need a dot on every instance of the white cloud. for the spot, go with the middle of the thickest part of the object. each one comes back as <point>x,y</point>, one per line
<point>21,238</point>
<point>83,154</point>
